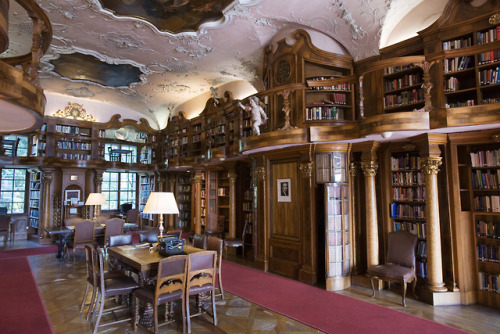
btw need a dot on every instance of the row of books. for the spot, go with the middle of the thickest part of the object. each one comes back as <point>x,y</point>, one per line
<point>74,145</point>
<point>488,253</point>
<point>408,194</point>
<point>413,96</point>
<point>72,156</point>
<point>486,179</point>
<point>488,57</point>
<point>457,104</point>
<point>72,130</point>
<point>451,84</point>
<point>489,229</point>
<point>334,222</point>
<point>421,249</point>
<point>488,36</point>
<point>490,100</point>
<point>487,203</point>
<point>415,178</point>
<point>223,191</point>
<point>489,282</point>
<point>324,113</point>
<point>247,206</point>
<point>395,69</point>
<point>35,194</point>
<point>335,238</point>
<point>34,222</point>
<point>184,197</point>
<point>34,203</point>
<point>489,77</point>
<point>342,86</point>
<point>405,81</point>
<point>421,268</point>
<point>456,64</point>
<point>417,229</point>
<point>35,185</point>
<point>488,158</point>
<point>34,212</point>
<point>458,43</point>
<point>405,162</point>
<point>399,210</point>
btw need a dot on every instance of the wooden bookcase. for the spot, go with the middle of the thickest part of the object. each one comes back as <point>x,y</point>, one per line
<point>327,99</point>
<point>223,200</point>
<point>331,173</point>
<point>479,169</point>
<point>184,195</point>
<point>73,140</point>
<point>402,88</point>
<point>34,201</point>
<point>407,208</point>
<point>146,186</point>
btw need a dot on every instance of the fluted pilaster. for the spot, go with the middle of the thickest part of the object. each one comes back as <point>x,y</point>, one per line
<point>370,170</point>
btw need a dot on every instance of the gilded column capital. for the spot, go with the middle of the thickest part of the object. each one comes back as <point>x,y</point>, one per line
<point>369,168</point>
<point>261,173</point>
<point>306,169</point>
<point>47,179</point>
<point>197,179</point>
<point>231,176</point>
<point>353,169</point>
<point>431,165</point>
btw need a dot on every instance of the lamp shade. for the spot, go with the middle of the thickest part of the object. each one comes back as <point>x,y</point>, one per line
<point>160,202</point>
<point>96,199</point>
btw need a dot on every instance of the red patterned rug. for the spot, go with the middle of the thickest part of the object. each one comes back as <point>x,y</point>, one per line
<point>327,311</point>
<point>22,308</point>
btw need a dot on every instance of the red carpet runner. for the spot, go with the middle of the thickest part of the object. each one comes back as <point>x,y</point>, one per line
<point>21,307</point>
<point>327,311</point>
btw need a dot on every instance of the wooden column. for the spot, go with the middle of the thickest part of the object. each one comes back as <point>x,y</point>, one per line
<point>171,188</point>
<point>97,189</point>
<point>430,166</point>
<point>232,203</point>
<point>262,258</point>
<point>196,209</point>
<point>47,181</point>
<point>353,171</point>
<point>370,170</point>
<point>308,272</point>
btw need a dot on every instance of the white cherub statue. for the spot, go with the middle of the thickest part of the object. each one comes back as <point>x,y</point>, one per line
<point>258,115</point>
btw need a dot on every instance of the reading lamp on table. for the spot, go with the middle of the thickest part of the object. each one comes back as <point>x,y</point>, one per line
<point>96,199</point>
<point>161,203</point>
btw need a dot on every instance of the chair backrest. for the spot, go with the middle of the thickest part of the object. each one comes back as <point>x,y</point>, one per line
<point>216,244</point>
<point>132,216</point>
<point>199,241</point>
<point>114,226</point>
<point>148,237</point>
<point>120,240</point>
<point>4,222</point>
<point>201,272</point>
<point>172,273</point>
<point>90,262</point>
<point>125,207</point>
<point>84,232</point>
<point>401,248</point>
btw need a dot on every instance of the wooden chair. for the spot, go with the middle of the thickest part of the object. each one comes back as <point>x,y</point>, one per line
<point>199,241</point>
<point>216,244</point>
<point>133,217</point>
<point>201,280</point>
<point>4,227</point>
<point>170,286</point>
<point>84,235</point>
<point>19,222</point>
<point>114,226</point>
<point>111,287</point>
<point>236,242</point>
<point>400,266</point>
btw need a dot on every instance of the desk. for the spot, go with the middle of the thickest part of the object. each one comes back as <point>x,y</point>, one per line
<point>141,259</point>
<point>116,155</point>
<point>63,233</point>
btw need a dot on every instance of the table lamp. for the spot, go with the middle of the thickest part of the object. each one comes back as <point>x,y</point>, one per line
<point>161,203</point>
<point>96,199</point>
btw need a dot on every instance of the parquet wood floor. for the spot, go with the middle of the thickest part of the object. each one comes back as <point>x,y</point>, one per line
<point>62,284</point>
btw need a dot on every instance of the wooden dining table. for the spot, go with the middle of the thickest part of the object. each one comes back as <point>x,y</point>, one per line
<point>142,258</point>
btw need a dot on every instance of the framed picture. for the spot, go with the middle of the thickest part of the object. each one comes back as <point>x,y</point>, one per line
<point>72,196</point>
<point>284,190</point>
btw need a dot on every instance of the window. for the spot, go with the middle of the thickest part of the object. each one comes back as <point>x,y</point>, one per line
<point>13,189</point>
<point>118,188</point>
<point>119,152</point>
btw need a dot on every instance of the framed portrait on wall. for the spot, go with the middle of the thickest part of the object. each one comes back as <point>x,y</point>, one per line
<point>72,196</point>
<point>284,190</point>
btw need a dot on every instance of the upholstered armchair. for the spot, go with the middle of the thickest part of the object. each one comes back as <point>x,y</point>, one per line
<point>400,262</point>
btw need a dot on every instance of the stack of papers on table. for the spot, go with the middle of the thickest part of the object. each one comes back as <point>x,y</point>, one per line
<point>126,247</point>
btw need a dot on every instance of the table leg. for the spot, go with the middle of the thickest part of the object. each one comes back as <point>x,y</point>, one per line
<point>60,246</point>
